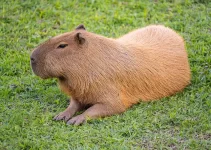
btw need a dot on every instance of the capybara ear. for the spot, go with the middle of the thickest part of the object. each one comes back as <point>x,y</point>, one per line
<point>79,38</point>
<point>81,26</point>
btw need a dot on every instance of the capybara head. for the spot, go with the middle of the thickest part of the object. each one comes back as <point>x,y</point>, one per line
<point>55,56</point>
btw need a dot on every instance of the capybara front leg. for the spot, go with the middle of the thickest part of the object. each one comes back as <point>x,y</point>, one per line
<point>96,111</point>
<point>73,107</point>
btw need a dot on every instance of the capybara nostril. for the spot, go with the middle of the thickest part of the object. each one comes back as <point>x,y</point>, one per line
<point>32,60</point>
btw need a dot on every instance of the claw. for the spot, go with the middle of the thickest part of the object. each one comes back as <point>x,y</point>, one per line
<point>78,120</point>
<point>62,116</point>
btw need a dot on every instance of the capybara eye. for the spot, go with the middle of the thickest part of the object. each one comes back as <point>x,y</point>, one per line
<point>62,45</point>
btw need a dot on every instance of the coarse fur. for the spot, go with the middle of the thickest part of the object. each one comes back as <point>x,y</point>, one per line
<point>110,75</point>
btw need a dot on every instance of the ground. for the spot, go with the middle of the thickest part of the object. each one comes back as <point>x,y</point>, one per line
<point>28,103</point>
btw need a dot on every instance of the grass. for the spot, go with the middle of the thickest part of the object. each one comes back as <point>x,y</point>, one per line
<point>27,103</point>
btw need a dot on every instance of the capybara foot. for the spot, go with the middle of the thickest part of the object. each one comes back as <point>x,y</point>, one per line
<point>65,115</point>
<point>73,107</point>
<point>77,120</point>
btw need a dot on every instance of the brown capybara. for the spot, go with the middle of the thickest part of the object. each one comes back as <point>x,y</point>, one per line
<point>110,75</point>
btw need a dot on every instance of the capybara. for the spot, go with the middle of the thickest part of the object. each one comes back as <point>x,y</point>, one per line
<point>105,76</point>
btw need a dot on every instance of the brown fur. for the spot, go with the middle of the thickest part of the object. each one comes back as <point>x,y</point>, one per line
<point>109,74</point>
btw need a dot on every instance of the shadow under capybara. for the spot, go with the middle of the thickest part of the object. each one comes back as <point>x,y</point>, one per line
<point>109,75</point>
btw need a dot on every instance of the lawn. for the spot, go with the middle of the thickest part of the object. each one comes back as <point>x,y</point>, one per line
<point>28,103</point>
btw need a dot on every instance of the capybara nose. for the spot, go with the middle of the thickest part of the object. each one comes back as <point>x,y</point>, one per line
<point>32,60</point>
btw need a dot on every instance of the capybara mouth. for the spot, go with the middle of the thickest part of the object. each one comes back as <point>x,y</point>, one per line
<point>34,68</point>
<point>37,72</point>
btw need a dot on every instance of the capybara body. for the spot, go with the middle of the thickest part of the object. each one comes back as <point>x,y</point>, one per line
<point>109,75</point>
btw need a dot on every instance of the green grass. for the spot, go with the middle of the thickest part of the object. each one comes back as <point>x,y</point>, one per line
<point>27,103</point>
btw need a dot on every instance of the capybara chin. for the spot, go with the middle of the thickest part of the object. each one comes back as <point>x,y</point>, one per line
<point>109,75</point>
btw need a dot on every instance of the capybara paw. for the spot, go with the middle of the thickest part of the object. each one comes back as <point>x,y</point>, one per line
<point>63,116</point>
<point>77,120</point>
